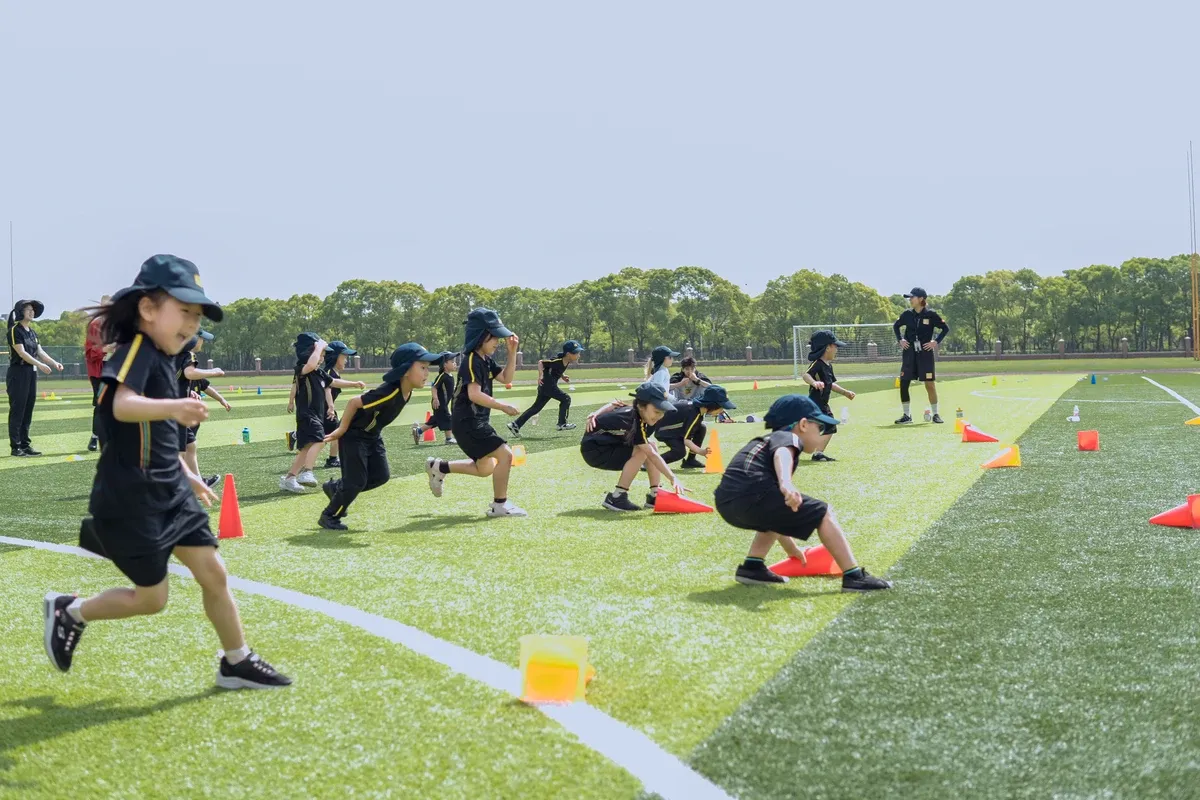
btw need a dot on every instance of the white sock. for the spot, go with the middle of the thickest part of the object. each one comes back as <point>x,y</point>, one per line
<point>907,409</point>
<point>76,609</point>
<point>237,656</point>
<point>618,492</point>
<point>933,408</point>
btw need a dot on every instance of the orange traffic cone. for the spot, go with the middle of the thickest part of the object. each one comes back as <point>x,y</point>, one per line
<point>1193,421</point>
<point>972,434</point>
<point>756,386</point>
<point>959,424</point>
<point>230,524</point>
<point>1184,516</point>
<point>1089,440</point>
<point>1008,457</point>
<point>715,465</point>
<point>429,435</point>
<point>814,561</point>
<point>670,503</point>
<point>519,455</point>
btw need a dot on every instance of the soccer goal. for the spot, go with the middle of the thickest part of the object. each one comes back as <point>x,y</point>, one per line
<point>870,342</point>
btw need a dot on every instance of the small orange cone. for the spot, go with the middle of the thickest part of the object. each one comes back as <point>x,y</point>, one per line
<point>429,435</point>
<point>815,561</point>
<point>1193,421</point>
<point>714,465</point>
<point>1008,457</point>
<point>519,455</point>
<point>670,503</point>
<point>230,525</point>
<point>971,434</point>
<point>1089,440</point>
<point>508,386</point>
<point>1184,516</point>
<point>959,424</point>
<point>756,386</point>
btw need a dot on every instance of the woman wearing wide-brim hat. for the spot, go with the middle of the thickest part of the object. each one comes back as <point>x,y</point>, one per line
<point>27,357</point>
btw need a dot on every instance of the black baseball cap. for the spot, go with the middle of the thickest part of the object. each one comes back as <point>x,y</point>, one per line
<point>661,352</point>
<point>652,393</point>
<point>177,277</point>
<point>479,322</point>
<point>444,356</point>
<point>572,346</point>
<point>819,341</point>
<point>38,309</point>
<point>195,340</point>
<point>336,348</point>
<point>791,408</point>
<point>304,344</point>
<point>917,291</point>
<point>714,396</point>
<point>403,357</point>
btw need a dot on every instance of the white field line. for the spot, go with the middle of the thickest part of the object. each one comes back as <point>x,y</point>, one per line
<point>990,396</point>
<point>1195,408</point>
<point>659,771</point>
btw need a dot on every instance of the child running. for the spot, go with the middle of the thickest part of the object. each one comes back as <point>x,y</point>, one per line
<point>310,404</point>
<point>364,457</point>
<point>489,454</point>
<point>918,346</point>
<point>617,439</point>
<point>336,357</point>
<point>756,493</point>
<point>550,372</point>
<point>144,506</point>
<point>682,429</point>
<point>440,400</point>
<point>821,381</point>
<point>193,382</point>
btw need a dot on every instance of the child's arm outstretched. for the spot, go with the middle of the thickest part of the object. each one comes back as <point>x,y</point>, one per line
<point>351,409</point>
<point>193,373</point>
<point>813,382</point>
<point>341,383</point>
<point>476,396</point>
<point>129,406</point>
<point>846,393</point>
<point>653,457</point>
<point>215,395</point>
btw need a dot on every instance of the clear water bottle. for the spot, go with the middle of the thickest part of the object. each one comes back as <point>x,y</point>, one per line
<point>958,412</point>
<point>535,419</point>
<point>1075,412</point>
<point>928,415</point>
<point>845,414</point>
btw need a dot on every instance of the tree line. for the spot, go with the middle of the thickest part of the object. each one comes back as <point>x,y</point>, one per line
<point>1091,309</point>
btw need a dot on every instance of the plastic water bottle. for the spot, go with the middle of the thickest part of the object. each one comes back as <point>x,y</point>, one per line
<point>958,412</point>
<point>845,414</point>
<point>1075,412</point>
<point>928,415</point>
<point>535,419</point>
<point>245,435</point>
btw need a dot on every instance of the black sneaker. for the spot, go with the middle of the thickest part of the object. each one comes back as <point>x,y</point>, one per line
<point>864,582</point>
<point>333,462</point>
<point>291,440</point>
<point>514,429</point>
<point>619,502</point>
<point>331,523</point>
<point>691,462</point>
<point>938,419</point>
<point>822,457</point>
<point>29,451</point>
<point>905,420</point>
<point>62,631</point>
<point>18,453</point>
<point>93,443</point>
<point>330,488</point>
<point>757,574</point>
<point>211,480</point>
<point>650,498</point>
<point>250,673</point>
<point>567,426</point>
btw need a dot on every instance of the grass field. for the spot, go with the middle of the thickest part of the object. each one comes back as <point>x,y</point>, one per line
<point>1040,640</point>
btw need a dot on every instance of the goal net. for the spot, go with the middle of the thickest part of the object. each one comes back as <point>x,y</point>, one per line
<point>870,342</point>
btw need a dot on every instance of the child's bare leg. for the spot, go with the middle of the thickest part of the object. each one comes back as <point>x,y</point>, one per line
<point>209,571</point>
<point>653,475</point>
<point>835,542</point>
<point>310,456</point>
<point>824,443</point>
<point>122,603</point>
<point>192,460</point>
<point>503,457</point>
<point>789,545</point>
<point>479,469</point>
<point>334,450</point>
<point>298,463</point>
<point>761,545</point>
<point>632,467</point>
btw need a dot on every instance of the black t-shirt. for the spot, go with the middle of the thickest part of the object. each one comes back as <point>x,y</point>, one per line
<point>680,423</point>
<point>380,408</point>
<point>443,388</point>
<point>821,370</point>
<point>139,470</point>
<point>20,335</point>
<point>310,391</point>
<point>752,470</point>
<point>612,428</point>
<point>183,383</point>
<point>552,372</point>
<point>919,326</point>
<point>474,369</point>
<point>330,374</point>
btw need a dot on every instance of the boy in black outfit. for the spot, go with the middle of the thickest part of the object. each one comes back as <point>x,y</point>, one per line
<point>311,401</point>
<point>682,430</point>
<point>919,347</point>
<point>821,381</point>
<point>550,372</point>
<point>756,493</point>
<point>440,400</point>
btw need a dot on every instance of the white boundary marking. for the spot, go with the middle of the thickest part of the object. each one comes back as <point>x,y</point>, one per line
<point>1174,394</point>
<point>989,396</point>
<point>659,771</point>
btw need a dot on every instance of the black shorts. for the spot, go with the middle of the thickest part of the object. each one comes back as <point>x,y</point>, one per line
<point>918,365</point>
<point>330,425</point>
<point>602,455</point>
<point>140,546</point>
<point>187,436</point>
<point>830,430</point>
<point>440,419</point>
<point>477,439</point>
<point>768,512</point>
<point>309,429</point>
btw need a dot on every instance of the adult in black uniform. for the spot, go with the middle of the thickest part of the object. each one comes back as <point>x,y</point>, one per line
<point>550,372</point>
<point>682,430</point>
<point>26,357</point>
<point>919,344</point>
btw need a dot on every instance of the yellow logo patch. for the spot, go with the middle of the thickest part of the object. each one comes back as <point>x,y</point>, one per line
<point>928,376</point>
<point>925,321</point>
<point>198,283</point>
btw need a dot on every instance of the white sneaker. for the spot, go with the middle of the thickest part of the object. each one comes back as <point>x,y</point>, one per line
<point>307,478</point>
<point>505,509</point>
<point>416,432</point>
<point>436,478</point>
<point>289,483</point>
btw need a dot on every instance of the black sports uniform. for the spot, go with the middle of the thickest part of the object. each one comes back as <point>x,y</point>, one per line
<point>471,424</point>
<point>364,457</point>
<point>443,389</point>
<point>310,405</point>
<point>21,383</point>
<point>685,422</point>
<point>916,363</point>
<point>331,424</point>
<point>552,372</point>
<point>748,496</point>
<point>611,444</point>
<point>822,370</point>
<point>186,387</point>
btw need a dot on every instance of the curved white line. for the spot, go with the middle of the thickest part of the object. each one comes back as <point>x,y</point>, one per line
<point>1175,394</point>
<point>659,771</point>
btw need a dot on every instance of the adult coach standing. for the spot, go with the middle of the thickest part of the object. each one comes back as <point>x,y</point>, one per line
<point>21,381</point>
<point>94,353</point>
<point>918,345</point>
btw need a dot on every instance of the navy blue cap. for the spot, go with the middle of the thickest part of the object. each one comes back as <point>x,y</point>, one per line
<point>304,344</point>
<point>917,291</point>
<point>819,341</point>
<point>572,346</point>
<point>660,353</point>
<point>177,277</point>
<point>791,408</point>
<point>652,393</point>
<point>38,309</point>
<point>337,348</point>
<point>444,356</point>
<point>402,359</point>
<point>206,336</point>
<point>479,322</point>
<point>713,396</point>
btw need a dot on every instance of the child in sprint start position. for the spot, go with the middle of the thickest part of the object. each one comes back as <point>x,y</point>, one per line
<point>144,503</point>
<point>550,372</point>
<point>821,382</point>
<point>440,400</point>
<point>489,454</point>
<point>364,457</point>
<point>756,493</point>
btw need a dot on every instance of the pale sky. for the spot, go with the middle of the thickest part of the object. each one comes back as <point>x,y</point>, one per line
<point>287,146</point>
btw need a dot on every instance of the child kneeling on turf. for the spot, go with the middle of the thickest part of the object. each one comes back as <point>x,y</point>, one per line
<point>144,499</point>
<point>756,493</point>
<point>617,438</point>
<point>364,458</point>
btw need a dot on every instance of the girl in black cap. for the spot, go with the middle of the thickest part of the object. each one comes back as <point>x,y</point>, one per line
<point>617,439</point>
<point>756,493</point>
<point>919,346</point>
<point>550,372</point>
<point>336,357</point>
<point>310,400</point>
<point>658,367</point>
<point>821,382</point>
<point>145,503</point>
<point>441,397</point>
<point>193,381</point>
<point>26,357</point>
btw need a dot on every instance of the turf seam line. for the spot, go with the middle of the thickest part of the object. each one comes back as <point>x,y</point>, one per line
<point>1174,394</point>
<point>659,771</point>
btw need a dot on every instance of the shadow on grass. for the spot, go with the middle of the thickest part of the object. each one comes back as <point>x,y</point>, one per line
<point>433,522</point>
<point>750,598</point>
<point>323,539</point>
<point>75,498</point>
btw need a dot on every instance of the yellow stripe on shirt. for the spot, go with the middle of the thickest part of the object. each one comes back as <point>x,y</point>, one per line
<point>129,357</point>
<point>471,367</point>
<point>382,400</point>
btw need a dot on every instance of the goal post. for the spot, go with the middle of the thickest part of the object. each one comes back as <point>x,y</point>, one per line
<point>867,342</point>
